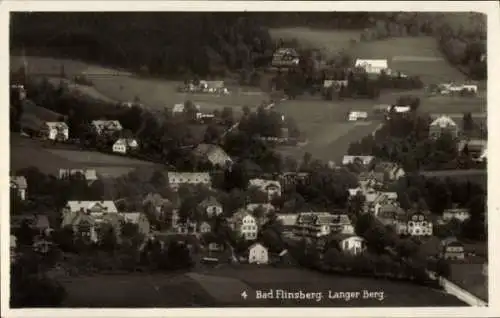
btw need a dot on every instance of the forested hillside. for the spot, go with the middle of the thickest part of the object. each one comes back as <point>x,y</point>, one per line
<point>174,43</point>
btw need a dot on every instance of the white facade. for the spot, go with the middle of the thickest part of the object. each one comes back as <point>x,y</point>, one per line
<point>175,179</point>
<point>418,225</point>
<point>248,228</point>
<point>354,116</point>
<point>459,214</point>
<point>20,185</point>
<point>372,66</point>
<point>353,245</point>
<point>258,254</point>
<point>124,145</point>
<point>57,131</point>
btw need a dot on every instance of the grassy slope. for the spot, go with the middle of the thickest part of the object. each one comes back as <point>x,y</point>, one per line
<point>25,152</point>
<point>113,85</point>
<point>166,290</point>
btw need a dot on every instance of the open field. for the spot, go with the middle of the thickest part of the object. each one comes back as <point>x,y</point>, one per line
<point>112,85</point>
<point>412,56</point>
<point>223,286</point>
<point>25,152</point>
<point>324,123</point>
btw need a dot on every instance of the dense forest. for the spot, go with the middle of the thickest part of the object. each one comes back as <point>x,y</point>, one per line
<point>212,44</point>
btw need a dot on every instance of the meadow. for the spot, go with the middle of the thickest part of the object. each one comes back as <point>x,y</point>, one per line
<point>25,152</point>
<point>223,286</point>
<point>111,85</point>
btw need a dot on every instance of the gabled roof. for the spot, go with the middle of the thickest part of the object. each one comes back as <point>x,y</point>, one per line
<point>443,122</point>
<point>130,142</point>
<point>263,183</point>
<point>107,124</point>
<point>72,218</point>
<point>364,159</point>
<point>57,125</point>
<point>89,174</point>
<point>75,206</point>
<point>373,63</point>
<point>19,181</point>
<point>189,177</point>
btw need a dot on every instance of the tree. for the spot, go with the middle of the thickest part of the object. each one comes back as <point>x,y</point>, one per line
<point>32,288</point>
<point>467,122</point>
<point>227,116</point>
<point>212,134</point>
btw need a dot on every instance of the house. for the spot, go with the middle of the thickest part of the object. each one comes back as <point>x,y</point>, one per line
<point>443,124</point>
<point>357,115</point>
<point>82,225</point>
<point>371,179</point>
<point>455,213</point>
<point>124,145</point>
<point>213,154</point>
<point>187,227</point>
<point>101,127</point>
<point>314,224</point>
<point>258,254</point>
<point>94,208</point>
<point>416,224</point>
<point>139,219</point>
<point>244,224</point>
<point>350,243</point>
<point>285,57</point>
<point>388,214</point>
<point>58,131</point>
<point>205,227</point>
<point>383,199</point>
<point>293,178</point>
<point>452,249</point>
<point>363,160</point>
<point>212,87</point>
<point>372,66</point>
<point>210,207</point>
<point>176,179</point>
<point>19,184</point>
<point>341,223</point>
<point>90,175</point>
<point>179,109</point>
<point>271,187</point>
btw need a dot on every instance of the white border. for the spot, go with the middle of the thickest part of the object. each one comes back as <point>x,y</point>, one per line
<point>489,7</point>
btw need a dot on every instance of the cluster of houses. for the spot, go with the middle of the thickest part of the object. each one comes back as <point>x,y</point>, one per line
<point>207,87</point>
<point>455,89</point>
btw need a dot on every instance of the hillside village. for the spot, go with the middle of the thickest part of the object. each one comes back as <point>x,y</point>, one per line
<point>404,203</point>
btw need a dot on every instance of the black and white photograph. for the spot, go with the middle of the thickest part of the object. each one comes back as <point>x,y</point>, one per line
<point>247,158</point>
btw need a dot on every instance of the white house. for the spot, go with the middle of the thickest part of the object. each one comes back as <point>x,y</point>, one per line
<point>352,244</point>
<point>211,207</point>
<point>56,131</point>
<point>94,208</point>
<point>419,224</point>
<point>214,154</point>
<point>106,126</point>
<point>372,66</point>
<point>124,145</point>
<point>364,160</point>
<point>441,125</point>
<point>258,254</point>
<point>455,213</point>
<point>19,185</point>
<point>244,224</point>
<point>176,179</point>
<point>356,115</point>
<point>179,109</point>
<point>271,187</point>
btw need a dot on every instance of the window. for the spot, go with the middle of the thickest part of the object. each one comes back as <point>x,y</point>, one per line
<point>417,231</point>
<point>411,224</point>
